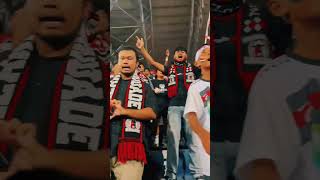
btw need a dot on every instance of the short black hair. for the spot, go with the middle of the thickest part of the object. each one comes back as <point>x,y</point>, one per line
<point>128,48</point>
<point>180,48</point>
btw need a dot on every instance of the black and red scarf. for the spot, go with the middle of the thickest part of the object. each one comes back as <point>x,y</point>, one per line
<point>188,76</point>
<point>131,145</point>
<point>243,28</point>
<point>72,118</point>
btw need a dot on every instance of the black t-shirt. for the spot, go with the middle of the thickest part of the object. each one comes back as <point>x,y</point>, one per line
<point>35,104</point>
<point>181,97</point>
<point>116,122</point>
<point>162,97</point>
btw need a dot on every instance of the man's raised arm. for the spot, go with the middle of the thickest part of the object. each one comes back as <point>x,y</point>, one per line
<point>147,56</point>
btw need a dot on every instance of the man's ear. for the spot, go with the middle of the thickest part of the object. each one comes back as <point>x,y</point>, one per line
<point>278,8</point>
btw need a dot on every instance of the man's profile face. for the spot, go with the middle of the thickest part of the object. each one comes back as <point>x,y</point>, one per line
<point>160,74</point>
<point>180,56</point>
<point>204,59</point>
<point>127,61</point>
<point>58,18</point>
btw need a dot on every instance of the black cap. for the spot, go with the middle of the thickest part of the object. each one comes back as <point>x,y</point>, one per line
<point>180,48</point>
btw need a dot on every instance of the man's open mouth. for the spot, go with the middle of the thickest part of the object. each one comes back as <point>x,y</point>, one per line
<point>126,68</point>
<point>52,20</point>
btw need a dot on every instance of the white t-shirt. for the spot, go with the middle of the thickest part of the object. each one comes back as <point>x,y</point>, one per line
<point>283,118</point>
<point>198,101</point>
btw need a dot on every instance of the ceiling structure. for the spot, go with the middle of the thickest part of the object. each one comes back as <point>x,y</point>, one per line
<point>163,23</point>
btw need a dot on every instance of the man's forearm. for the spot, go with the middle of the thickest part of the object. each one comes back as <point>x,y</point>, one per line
<point>150,60</point>
<point>91,165</point>
<point>195,125</point>
<point>140,114</point>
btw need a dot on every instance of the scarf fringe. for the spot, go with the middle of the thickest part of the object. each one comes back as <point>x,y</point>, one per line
<point>131,151</point>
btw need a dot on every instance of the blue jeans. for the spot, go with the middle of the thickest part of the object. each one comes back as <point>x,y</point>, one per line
<point>176,123</point>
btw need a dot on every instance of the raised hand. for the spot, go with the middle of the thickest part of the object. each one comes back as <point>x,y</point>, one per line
<point>140,43</point>
<point>167,53</point>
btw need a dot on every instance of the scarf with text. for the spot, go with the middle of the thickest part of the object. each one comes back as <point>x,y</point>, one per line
<point>73,120</point>
<point>131,146</point>
<point>188,76</point>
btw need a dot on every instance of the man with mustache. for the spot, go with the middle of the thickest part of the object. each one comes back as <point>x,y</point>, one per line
<point>132,103</point>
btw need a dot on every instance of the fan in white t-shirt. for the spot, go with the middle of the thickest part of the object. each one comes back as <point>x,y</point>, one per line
<point>281,135</point>
<point>197,111</point>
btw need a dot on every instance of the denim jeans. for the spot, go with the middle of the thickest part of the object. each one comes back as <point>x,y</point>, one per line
<point>176,123</point>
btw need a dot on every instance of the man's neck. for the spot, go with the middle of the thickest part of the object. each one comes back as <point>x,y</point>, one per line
<point>307,40</point>
<point>179,63</point>
<point>49,51</point>
<point>160,78</point>
<point>205,75</point>
<point>125,77</point>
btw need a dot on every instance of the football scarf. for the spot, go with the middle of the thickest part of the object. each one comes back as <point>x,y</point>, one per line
<point>131,146</point>
<point>173,78</point>
<point>73,120</point>
<point>241,29</point>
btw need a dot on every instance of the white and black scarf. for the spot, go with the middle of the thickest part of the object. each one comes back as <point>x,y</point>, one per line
<point>131,146</point>
<point>72,118</point>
